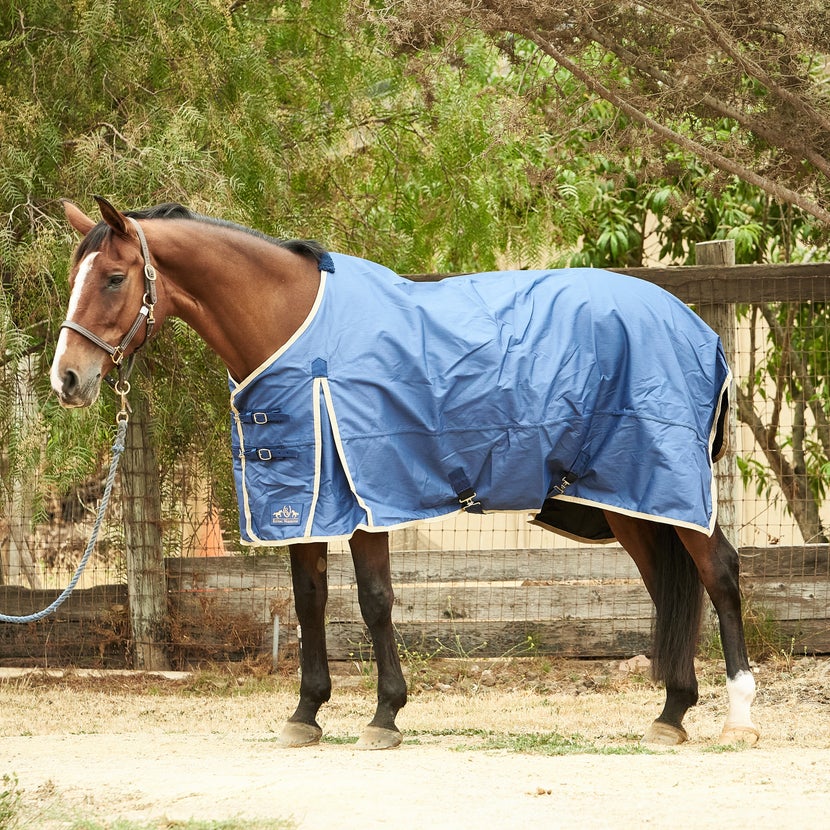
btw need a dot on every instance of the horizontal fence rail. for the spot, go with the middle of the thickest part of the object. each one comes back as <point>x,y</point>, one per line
<point>781,283</point>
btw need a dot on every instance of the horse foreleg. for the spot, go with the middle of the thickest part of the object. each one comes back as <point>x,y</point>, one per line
<point>370,552</point>
<point>672,584</point>
<point>309,578</point>
<point>718,565</point>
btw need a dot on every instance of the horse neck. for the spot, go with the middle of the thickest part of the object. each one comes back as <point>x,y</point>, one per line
<point>245,296</point>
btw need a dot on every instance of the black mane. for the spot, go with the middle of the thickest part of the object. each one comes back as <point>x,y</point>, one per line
<point>93,241</point>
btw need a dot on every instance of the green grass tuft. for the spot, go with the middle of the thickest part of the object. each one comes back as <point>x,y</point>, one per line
<point>552,743</point>
<point>9,802</point>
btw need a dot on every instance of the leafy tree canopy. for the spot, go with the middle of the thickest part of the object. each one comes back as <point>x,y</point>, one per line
<point>688,68</point>
<point>292,117</point>
<point>535,133</point>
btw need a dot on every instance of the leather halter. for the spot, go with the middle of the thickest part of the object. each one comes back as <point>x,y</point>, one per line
<point>145,313</point>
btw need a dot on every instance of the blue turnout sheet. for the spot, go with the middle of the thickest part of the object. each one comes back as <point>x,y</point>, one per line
<point>567,391</point>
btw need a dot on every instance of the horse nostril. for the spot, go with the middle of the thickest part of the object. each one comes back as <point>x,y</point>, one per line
<point>71,383</point>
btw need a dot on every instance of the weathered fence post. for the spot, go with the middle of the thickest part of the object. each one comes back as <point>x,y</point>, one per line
<point>19,508</point>
<point>722,318</point>
<point>146,578</point>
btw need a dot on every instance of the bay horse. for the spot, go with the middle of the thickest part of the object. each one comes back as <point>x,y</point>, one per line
<point>253,299</point>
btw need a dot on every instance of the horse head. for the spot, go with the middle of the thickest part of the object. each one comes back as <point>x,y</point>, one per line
<point>111,306</point>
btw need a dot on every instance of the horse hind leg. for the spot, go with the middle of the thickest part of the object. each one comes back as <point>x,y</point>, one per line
<point>718,564</point>
<point>309,578</point>
<point>672,582</point>
<point>370,554</point>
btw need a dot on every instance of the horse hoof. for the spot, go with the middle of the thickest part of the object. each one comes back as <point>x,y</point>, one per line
<point>747,735</point>
<point>299,734</point>
<point>376,737</point>
<point>665,734</point>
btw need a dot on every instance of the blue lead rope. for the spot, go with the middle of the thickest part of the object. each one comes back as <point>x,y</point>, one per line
<point>117,449</point>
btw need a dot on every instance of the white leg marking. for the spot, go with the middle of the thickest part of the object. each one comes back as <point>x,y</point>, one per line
<point>60,349</point>
<point>741,692</point>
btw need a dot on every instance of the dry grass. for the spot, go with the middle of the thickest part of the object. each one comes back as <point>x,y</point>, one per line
<point>461,698</point>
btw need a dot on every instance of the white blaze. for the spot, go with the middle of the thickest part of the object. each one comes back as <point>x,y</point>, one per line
<point>60,349</point>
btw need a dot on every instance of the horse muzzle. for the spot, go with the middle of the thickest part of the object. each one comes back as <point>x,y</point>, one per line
<point>73,388</point>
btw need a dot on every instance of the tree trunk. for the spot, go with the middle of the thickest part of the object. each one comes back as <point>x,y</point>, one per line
<point>146,578</point>
<point>794,487</point>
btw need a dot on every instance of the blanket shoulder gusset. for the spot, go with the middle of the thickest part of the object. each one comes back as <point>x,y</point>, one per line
<point>578,386</point>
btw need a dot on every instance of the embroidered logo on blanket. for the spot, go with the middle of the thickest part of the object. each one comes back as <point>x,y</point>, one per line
<point>286,514</point>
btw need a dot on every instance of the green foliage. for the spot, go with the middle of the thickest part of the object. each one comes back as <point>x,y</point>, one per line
<point>297,119</point>
<point>552,743</point>
<point>627,205</point>
<point>305,120</point>
<point>623,209</point>
<point>10,801</point>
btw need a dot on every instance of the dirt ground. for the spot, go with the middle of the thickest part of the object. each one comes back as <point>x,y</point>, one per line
<point>157,751</point>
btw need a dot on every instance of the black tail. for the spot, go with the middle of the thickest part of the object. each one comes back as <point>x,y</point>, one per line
<point>679,601</point>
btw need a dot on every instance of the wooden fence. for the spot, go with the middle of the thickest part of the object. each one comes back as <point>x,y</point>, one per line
<point>492,603</point>
<point>571,602</point>
<point>484,603</point>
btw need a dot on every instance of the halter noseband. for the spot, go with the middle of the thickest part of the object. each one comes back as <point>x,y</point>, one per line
<point>145,313</point>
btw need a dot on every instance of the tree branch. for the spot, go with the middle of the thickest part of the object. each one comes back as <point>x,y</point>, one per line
<point>798,497</point>
<point>789,142</point>
<point>755,70</point>
<point>801,372</point>
<point>714,158</point>
<point>784,368</point>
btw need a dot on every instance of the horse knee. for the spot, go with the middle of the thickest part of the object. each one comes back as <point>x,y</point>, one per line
<point>376,601</point>
<point>728,562</point>
<point>718,564</point>
<point>724,587</point>
<point>310,596</point>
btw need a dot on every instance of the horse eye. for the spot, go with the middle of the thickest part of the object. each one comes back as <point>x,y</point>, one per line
<point>115,280</point>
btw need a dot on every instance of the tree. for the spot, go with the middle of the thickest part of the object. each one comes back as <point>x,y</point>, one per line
<point>687,66</point>
<point>307,120</point>
<point>287,117</point>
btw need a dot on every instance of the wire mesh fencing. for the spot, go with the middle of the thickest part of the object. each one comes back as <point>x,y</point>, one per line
<point>468,585</point>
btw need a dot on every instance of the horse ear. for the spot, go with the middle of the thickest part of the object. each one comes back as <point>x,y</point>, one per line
<point>77,218</point>
<point>114,218</point>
